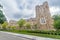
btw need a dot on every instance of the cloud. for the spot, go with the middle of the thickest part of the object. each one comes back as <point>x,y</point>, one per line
<point>54,3</point>
<point>16,9</point>
<point>54,10</point>
<point>10,7</point>
<point>26,13</point>
<point>27,8</point>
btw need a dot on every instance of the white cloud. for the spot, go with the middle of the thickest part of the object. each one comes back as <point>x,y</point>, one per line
<point>10,4</point>
<point>10,7</point>
<point>24,7</point>
<point>54,10</point>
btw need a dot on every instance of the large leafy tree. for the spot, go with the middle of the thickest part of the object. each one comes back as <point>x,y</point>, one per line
<point>56,17</point>
<point>2,17</point>
<point>57,24</point>
<point>56,21</point>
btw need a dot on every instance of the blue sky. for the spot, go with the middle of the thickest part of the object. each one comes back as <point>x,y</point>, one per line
<point>16,9</point>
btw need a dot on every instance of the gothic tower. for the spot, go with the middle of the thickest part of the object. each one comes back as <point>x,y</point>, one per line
<point>43,17</point>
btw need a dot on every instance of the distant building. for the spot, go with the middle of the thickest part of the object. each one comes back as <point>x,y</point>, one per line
<point>32,21</point>
<point>13,23</point>
<point>43,17</point>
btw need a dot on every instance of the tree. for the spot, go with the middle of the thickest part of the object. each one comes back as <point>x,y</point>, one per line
<point>57,24</point>
<point>2,17</point>
<point>56,17</point>
<point>4,25</point>
<point>12,27</point>
<point>56,21</point>
<point>21,22</point>
<point>28,25</point>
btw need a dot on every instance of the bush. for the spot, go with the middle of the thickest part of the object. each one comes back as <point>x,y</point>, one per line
<point>4,25</point>
<point>8,27</point>
<point>28,25</point>
<point>21,22</point>
<point>13,27</point>
<point>57,24</point>
<point>45,32</point>
<point>56,21</point>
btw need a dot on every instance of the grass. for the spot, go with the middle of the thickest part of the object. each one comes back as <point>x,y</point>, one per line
<point>36,34</point>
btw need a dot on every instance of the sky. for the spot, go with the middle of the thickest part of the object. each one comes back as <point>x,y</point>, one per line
<point>16,9</point>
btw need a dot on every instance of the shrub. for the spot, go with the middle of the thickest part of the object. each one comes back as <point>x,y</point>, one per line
<point>28,25</point>
<point>44,32</point>
<point>21,22</point>
<point>4,25</point>
<point>13,27</point>
<point>8,27</point>
<point>57,24</point>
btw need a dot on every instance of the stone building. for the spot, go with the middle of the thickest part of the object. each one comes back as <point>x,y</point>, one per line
<point>13,23</point>
<point>43,17</point>
<point>32,21</point>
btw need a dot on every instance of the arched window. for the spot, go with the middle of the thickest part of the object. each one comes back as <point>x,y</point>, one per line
<point>43,20</point>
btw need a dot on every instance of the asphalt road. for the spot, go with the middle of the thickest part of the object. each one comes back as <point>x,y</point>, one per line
<point>14,36</point>
<point>5,36</point>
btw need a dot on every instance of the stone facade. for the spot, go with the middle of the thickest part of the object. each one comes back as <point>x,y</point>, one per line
<point>32,21</point>
<point>43,17</point>
<point>13,23</point>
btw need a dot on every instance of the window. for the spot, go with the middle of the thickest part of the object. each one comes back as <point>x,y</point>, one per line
<point>43,20</point>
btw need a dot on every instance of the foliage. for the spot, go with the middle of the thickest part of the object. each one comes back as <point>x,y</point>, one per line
<point>2,17</point>
<point>56,17</point>
<point>39,33</point>
<point>8,27</point>
<point>4,25</point>
<point>21,22</point>
<point>13,27</point>
<point>44,32</point>
<point>28,25</point>
<point>57,24</point>
<point>56,21</point>
<point>0,25</point>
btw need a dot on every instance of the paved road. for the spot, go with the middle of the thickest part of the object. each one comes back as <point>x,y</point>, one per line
<point>14,36</point>
<point>5,36</point>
